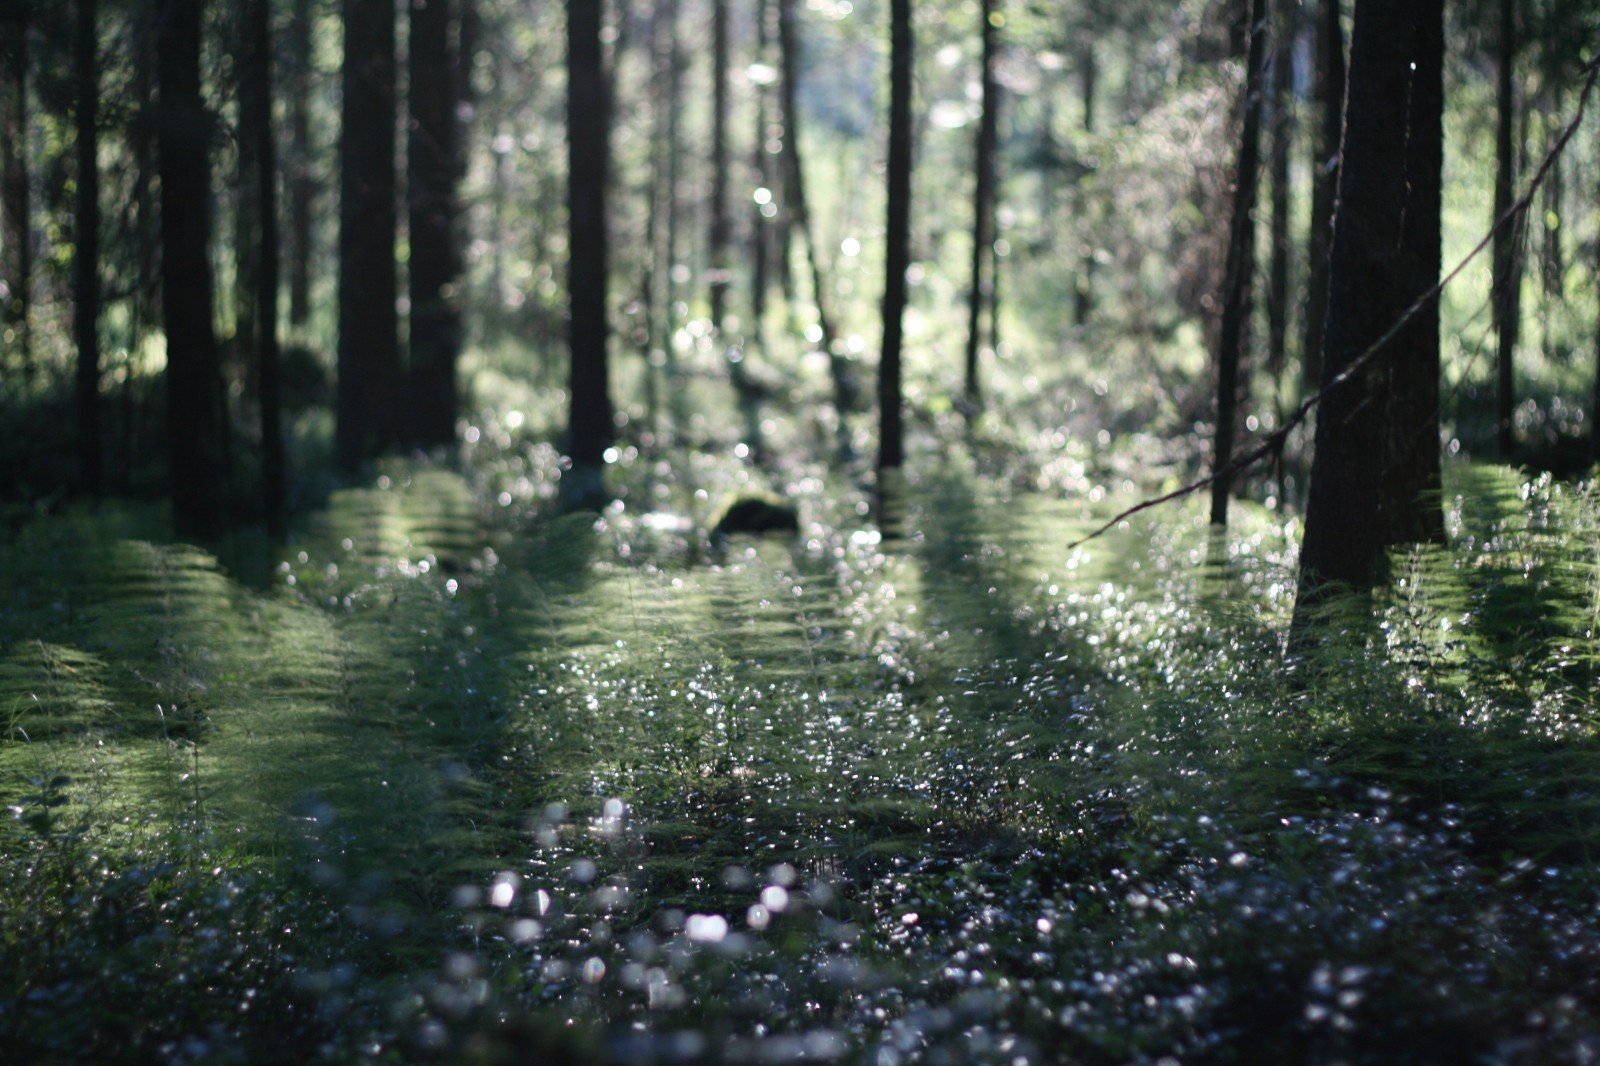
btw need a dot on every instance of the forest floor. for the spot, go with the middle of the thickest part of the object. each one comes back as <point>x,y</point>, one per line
<point>463,776</point>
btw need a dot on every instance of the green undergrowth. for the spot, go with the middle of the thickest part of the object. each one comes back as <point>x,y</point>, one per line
<point>472,779</point>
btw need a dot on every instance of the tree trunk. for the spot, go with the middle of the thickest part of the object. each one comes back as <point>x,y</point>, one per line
<point>194,401</point>
<point>253,98</point>
<point>897,251</point>
<point>369,347</point>
<point>983,236</point>
<point>1284,35</point>
<point>1375,475</point>
<point>761,230</point>
<point>1506,298</point>
<point>1324,183</point>
<point>1083,289</point>
<point>1240,265</point>
<point>433,152</point>
<point>845,393</point>
<point>588,130</point>
<point>257,129</point>
<point>86,250</point>
<point>16,228</point>
<point>302,189</point>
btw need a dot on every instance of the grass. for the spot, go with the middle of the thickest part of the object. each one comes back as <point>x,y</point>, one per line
<point>465,778</point>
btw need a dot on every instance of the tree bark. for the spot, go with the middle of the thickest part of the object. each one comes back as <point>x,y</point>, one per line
<point>16,226</point>
<point>897,251</point>
<point>86,250</point>
<point>432,155</point>
<point>1278,273</point>
<point>1506,297</point>
<point>1375,475</point>
<point>194,399</point>
<point>1324,183</point>
<point>302,189</point>
<point>257,129</point>
<point>983,236</point>
<point>1083,288</point>
<point>588,135</point>
<point>369,352</point>
<point>845,391</point>
<point>1240,265</point>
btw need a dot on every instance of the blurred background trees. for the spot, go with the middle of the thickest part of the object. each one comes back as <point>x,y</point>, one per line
<point>1085,247</point>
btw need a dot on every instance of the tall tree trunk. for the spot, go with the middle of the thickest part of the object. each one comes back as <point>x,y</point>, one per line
<point>1083,288</point>
<point>433,152</point>
<point>1375,473</point>
<point>86,250</point>
<point>253,98</point>
<point>588,136</point>
<point>302,189</point>
<point>846,397</point>
<point>1240,265</point>
<point>369,346</point>
<point>194,400</point>
<point>1506,298</point>
<point>1284,35</point>
<point>257,129</point>
<point>983,236</point>
<point>675,64</point>
<point>897,251</point>
<point>1324,182</point>
<point>760,229</point>
<point>16,227</point>
<point>720,227</point>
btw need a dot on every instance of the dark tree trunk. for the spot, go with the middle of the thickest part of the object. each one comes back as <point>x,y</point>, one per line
<point>1083,289</point>
<point>983,235</point>
<point>761,230</point>
<point>194,399</point>
<point>845,390</point>
<point>1324,182</point>
<point>253,98</point>
<point>1278,287</point>
<point>369,351</point>
<point>588,135</point>
<point>1375,475</point>
<point>302,189</point>
<point>257,129</point>
<point>1240,265</point>
<point>86,250</point>
<point>16,228</point>
<point>433,158</point>
<point>674,146</point>
<point>719,168</point>
<point>1506,296</point>
<point>897,251</point>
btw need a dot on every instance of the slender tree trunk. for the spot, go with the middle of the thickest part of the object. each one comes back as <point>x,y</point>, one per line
<point>369,346</point>
<point>760,229</point>
<point>897,251</point>
<point>1236,282</point>
<point>1375,474</point>
<point>719,167</point>
<point>1507,284</point>
<point>1324,182</point>
<point>257,129</point>
<point>845,391</point>
<point>253,98</point>
<point>86,249</point>
<point>983,237</point>
<point>588,135</point>
<point>1278,287</point>
<point>433,164</point>
<point>16,227</point>
<point>195,425</point>
<point>1088,81</point>
<point>302,189</point>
